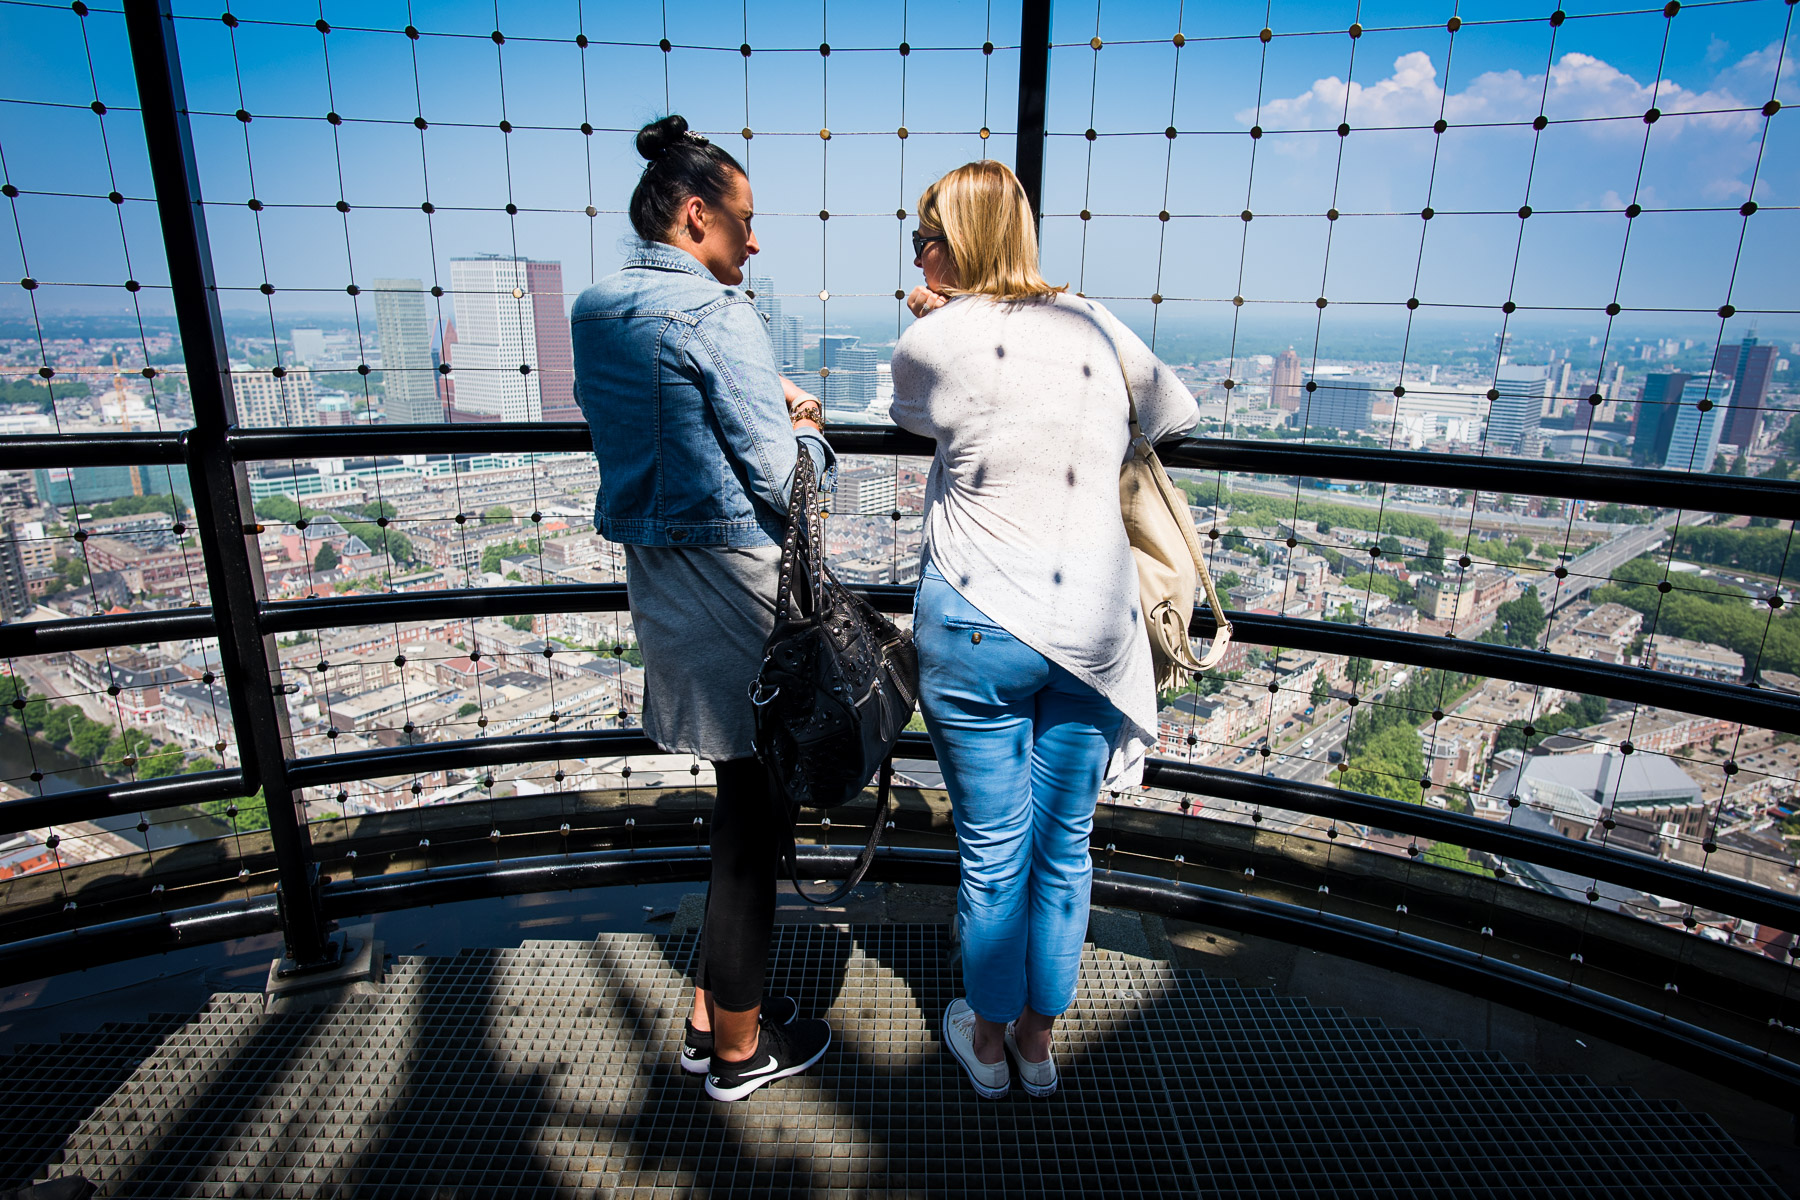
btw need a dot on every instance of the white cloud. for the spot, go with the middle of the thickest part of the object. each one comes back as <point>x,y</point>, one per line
<point>1579,87</point>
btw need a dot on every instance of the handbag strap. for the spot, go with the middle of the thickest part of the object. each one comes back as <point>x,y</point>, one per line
<point>1142,448</point>
<point>864,860</point>
<point>803,550</point>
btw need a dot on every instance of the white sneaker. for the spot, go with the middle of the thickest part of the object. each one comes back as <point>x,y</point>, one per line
<point>990,1080</point>
<point>1039,1078</point>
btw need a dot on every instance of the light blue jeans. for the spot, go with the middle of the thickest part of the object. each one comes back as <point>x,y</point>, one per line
<point>1023,747</point>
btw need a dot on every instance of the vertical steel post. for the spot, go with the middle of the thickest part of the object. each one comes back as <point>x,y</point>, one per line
<point>1034,86</point>
<point>222,512</point>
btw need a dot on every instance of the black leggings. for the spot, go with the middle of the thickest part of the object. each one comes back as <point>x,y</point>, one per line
<point>733,957</point>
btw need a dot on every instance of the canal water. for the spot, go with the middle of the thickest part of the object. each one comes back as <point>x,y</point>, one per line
<point>63,772</point>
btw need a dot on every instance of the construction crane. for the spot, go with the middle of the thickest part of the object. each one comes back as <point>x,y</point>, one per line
<point>137,479</point>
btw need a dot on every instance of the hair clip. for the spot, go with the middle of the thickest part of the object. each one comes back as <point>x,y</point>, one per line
<point>699,139</point>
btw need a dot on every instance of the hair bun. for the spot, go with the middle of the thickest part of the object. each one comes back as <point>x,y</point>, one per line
<point>655,139</point>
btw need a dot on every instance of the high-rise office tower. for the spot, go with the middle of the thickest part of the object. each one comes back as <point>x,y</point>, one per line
<point>447,381</point>
<point>1516,416</point>
<point>1750,366</point>
<point>790,344</point>
<point>784,331</point>
<point>499,331</point>
<point>1654,419</point>
<point>15,592</point>
<point>265,401</point>
<point>1342,402</point>
<point>850,384</point>
<point>408,375</point>
<point>762,294</point>
<point>309,346</point>
<point>1698,422</point>
<point>555,352</point>
<point>1284,387</point>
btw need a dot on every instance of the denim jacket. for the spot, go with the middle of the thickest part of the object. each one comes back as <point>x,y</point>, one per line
<point>676,375</point>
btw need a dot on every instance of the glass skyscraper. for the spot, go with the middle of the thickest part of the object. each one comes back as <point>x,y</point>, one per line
<point>408,376</point>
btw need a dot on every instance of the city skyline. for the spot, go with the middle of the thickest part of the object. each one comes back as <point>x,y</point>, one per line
<point>1707,80</point>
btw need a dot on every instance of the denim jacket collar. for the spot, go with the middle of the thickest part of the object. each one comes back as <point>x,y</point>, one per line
<point>662,256</point>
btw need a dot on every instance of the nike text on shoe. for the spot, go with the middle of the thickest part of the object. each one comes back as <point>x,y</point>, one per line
<point>781,1050</point>
<point>990,1080</point>
<point>697,1046</point>
<point>1039,1078</point>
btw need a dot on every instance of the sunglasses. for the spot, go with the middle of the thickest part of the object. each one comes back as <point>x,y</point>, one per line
<point>922,240</point>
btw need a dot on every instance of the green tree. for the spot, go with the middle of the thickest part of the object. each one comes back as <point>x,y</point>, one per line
<point>1767,642</point>
<point>283,510</point>
<point>326,558</point>
<point>59,724</point>
<point>492,555</point>
<point>468,709</point>
<point>1321,691</point>
<point>1358,670</point>
<point>252,811</point>
<point>380,538</point>
<point>1524,547</point>
<point>32,711</point>
<point>161,763</point>
<point>1388,763</point>
<point>128,743</point>
<point>1523,619</point>
<point>12,689</point>
<point>1443,854</point>
<point>496,515</point>
<point>126,506</point>
<point>90,740</point>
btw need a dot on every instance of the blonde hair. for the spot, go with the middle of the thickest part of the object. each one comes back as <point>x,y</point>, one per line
<point>981,208</point>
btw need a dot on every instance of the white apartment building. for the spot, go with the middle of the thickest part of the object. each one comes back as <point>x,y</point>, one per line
<point>265,400</point>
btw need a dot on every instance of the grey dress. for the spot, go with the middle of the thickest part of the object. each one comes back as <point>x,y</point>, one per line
<point>702,615</point>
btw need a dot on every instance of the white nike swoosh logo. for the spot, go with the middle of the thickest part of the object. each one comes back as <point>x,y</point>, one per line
<point>772,1066</point>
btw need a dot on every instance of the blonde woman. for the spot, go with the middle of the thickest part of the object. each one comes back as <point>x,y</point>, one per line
<point>1035,669</point>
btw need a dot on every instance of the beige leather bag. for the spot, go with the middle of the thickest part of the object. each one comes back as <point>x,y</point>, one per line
<point>1167,549</point>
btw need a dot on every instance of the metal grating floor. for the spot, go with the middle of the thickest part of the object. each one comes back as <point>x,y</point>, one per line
<point>549,1070</point>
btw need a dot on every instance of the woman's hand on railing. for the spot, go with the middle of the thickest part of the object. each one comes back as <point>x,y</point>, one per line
<point>922,300</point>
<point>807,413</point>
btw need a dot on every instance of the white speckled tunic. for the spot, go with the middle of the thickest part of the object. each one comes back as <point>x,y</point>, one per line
<point>1022,518</point>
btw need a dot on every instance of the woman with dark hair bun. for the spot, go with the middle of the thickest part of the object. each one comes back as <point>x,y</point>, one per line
<point>697,435</point>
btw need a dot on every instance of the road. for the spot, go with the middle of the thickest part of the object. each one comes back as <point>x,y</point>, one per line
<point>1596,567</point>
<point>1311,766</point>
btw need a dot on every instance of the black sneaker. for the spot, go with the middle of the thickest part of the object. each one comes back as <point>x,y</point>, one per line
<point>781,1050</point>
<point>697,1047</point>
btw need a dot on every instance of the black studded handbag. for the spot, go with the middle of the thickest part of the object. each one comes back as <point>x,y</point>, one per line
<point>838,684</point>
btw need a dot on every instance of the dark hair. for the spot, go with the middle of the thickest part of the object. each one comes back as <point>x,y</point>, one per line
<point>682,164</point>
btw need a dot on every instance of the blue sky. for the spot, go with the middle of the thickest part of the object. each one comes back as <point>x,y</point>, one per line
<point>1704,67</point>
